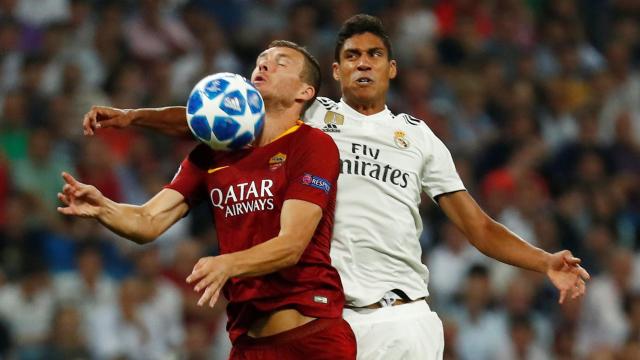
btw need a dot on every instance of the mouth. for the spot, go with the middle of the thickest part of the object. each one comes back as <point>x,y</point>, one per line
<point>364,81</point>
<point>259,79</point>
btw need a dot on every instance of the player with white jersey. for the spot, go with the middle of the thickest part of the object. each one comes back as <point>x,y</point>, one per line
<point>387,161</point>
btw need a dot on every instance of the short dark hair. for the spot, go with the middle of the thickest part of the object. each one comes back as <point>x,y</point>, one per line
<point>310,71</point>
<point>360,24</point>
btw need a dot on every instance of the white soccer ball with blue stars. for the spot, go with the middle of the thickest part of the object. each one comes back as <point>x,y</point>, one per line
<point>225,111</point>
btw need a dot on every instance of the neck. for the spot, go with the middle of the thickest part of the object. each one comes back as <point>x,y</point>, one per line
<point>278,119</point>
<point>364,107</point>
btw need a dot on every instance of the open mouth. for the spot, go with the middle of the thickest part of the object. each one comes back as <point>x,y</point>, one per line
<point>259,79</point>
<point>364,81</point>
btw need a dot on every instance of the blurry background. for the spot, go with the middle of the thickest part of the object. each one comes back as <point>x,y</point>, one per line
<point>539,102</point>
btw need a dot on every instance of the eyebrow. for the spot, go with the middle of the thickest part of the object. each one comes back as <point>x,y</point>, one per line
<point>357,50</point>
<point>278,56</point>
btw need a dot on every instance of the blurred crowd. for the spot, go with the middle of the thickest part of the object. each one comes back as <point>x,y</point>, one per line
<point>538,100</point>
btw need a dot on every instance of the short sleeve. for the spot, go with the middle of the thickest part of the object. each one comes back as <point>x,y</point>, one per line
<point>439,175</point>
<point>189,178</point>
<point>313,173</point>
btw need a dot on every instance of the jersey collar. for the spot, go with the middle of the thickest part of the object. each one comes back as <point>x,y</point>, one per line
<point>288,131</point>
<point>351,112</point>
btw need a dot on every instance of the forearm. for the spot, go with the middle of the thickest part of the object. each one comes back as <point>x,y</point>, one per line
<point>496,241</point>
<point>267,257</point>
<point>167,120</point>
<point>128,221</point>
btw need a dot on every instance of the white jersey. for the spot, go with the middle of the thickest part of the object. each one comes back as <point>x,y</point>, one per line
<point>386,162</point>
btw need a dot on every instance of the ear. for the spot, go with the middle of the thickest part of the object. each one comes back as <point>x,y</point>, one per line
<point>307,93</point>
<point>336,71</point>
<point>393,69</point>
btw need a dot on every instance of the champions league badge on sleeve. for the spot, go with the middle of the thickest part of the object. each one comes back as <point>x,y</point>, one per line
<point>316,182</point>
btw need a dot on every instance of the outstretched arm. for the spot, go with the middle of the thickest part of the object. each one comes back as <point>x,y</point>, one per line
<point>167,120</point>
<point>495,240</point>
<point>140,224</point>
<point>298,222</point>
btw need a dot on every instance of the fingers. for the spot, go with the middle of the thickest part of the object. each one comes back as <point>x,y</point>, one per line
<point>208,292</point>
<point>114,122</point>
<point>69,179</point>
<point>579,289</point>
<point>195,276</point>
<point>583,273</point>
<point>68,190</point>
<point>66,210</point>
<point>563,295</point>
<point>210,295</point>
<point>90,122</point>
<point>101,117</point>
<point>82,191</point>
<point>214,298</point>
<point>63,198</point>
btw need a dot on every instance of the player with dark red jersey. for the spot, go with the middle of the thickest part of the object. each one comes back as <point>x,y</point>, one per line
<point>273,207</point>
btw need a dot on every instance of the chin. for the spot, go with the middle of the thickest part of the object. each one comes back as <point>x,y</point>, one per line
<point>363,96</point>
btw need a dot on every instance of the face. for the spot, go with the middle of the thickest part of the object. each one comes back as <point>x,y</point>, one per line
<point>277,76</point>
<point>364,69</point>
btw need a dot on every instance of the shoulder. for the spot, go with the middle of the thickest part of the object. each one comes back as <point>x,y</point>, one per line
<point>316,136</point>
<point>327,103</point>
<point>312,140</point>
<point>415,126</point>
<point>316,112</point>
<point>421,132</point>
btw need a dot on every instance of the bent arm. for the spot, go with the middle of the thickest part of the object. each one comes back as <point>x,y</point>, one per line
<point>167,120</point>
<point>490,237</point>
<point>144,223</point>
<point>298,222</point>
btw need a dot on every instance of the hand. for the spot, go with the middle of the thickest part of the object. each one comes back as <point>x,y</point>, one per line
<point>105,116</point>
<point>567,275</point>
<point>80,199</point>
<point>211,273</point>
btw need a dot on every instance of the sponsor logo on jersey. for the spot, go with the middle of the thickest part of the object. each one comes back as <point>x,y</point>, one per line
<point>316,182</point>
<point>365,160</point>
<point>400,138</point>
<point>277,160</point>
<point>332,120</point>
<point>243,198</point>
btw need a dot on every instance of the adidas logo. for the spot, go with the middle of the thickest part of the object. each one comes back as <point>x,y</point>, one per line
<point>232,103</point>
<point>214,86</point>
<point>331,127</point>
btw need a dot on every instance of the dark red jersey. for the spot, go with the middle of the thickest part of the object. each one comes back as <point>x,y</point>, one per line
<point>246,190</point>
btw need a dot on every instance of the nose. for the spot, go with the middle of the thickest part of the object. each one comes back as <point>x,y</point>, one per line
<point>263,65</point>
<point>364,64</point>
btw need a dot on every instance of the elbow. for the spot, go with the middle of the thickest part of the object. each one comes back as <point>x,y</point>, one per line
<point>142,239</point>
<point>293,255</point>
<point>292,258</point>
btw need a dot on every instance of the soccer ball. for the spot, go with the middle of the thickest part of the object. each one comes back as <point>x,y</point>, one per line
<point>225,111</point>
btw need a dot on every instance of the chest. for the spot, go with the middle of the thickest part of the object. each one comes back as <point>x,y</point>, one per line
<point>382,141</point>
<point>248,184</point>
